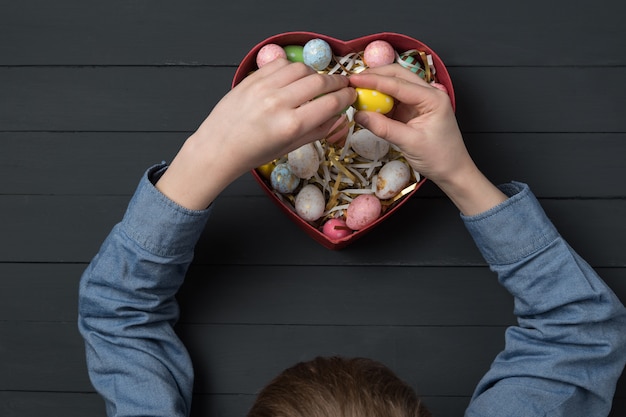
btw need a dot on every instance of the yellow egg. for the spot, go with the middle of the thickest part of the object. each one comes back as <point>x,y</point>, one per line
<point>372,100</point>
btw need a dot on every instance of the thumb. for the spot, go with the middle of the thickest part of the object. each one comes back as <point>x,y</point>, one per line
<point>382,126</point>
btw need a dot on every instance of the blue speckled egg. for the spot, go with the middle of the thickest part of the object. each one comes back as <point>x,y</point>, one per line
<point>283,180</point>
<point>317,54</point>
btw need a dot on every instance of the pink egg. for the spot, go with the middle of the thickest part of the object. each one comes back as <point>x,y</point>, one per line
<point>379,53</point>
<point>363,211</point>
<point>336,229</point>
<point>269,53</point>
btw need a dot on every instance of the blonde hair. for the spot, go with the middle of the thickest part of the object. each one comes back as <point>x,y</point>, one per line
<point>338,387</point>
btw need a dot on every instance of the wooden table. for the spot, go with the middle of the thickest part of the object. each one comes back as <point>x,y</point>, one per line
<point>93,94</point>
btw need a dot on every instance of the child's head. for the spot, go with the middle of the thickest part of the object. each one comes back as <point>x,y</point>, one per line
<point>338,387</point>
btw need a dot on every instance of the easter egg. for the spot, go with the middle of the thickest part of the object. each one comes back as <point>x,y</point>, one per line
<point>379,53</point>
<point>336,228</point>
<point>392,178</point>
<point>317,54</point>
<point>363,211</point>
<point>368,145</point>
<point>283,180</point>
<point>294,53</point>
<point>372,100</point>
<point>310,203</point>
<point>269,53</point>
<point>304,161</point>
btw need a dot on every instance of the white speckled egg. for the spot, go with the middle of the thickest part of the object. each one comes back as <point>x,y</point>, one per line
<point>304,161</point>
<point>368,145</point>
<point>317,54</point>
<point>310,203</point>
<point>283,180</point>
<point>363,211</point>
<point>392,178</point>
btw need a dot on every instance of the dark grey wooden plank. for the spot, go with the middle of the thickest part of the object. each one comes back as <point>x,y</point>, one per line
<point>34,404</point>
<point>242,358</point>
<point>423,232</point>
<point>38,356</point>
<point>81,163</point>
<point>485,32</point>
<point>109,99</point>
<point>315,295</point>
<point>353,295</point>
<point>56,229</point>
<point>286,295</point>
<point>555,164</point>
<point>39,292</point>
<point>490,99</point>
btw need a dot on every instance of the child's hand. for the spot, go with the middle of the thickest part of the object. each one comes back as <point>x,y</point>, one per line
<point>271,112</point>
<point>422,124</point>
<point>424,127</point>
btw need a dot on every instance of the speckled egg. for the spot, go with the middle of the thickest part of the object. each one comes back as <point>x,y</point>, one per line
<point>310,203</point>
<point>283,180</point>
<point>392,178</point>
<point>294,53</point>
<point>368,145</point>
<point>269,53</point>
<point>304,161</point>
<point>336,228</point>
<point>372,100</point>
<point>379,53</point>
<point>317,54</point>
<point>363,211</point>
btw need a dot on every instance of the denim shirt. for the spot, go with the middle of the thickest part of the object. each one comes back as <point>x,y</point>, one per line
<point>562,359</point>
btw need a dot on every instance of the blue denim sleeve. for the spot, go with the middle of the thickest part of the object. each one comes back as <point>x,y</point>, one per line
<point>127,307</point>
<point>567,352</point>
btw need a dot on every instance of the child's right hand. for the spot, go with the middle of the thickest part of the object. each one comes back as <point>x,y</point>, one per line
<point>424,127</point>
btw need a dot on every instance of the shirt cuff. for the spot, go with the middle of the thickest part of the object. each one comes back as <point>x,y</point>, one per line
<point>513,229</point>
<point>158,224</point>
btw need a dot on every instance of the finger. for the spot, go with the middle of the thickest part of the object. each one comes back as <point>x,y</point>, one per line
<point>265,71</point>
<point>312,87</point>
<point>330,105</point>
<point>319,132</point>
<point>285,72</point>
<point>339,130</point>
<point>394,70</point>
<point>391,130</point>
<point>399,88</point>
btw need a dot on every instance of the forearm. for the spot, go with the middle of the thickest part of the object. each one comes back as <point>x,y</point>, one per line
<point>470,191</point>
<point>569,348</point>
<point>127,308</point>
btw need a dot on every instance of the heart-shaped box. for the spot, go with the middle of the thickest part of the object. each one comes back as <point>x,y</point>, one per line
<point>340,48</point>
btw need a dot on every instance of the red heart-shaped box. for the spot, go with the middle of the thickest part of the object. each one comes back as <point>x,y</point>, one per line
<point>340,48</point>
